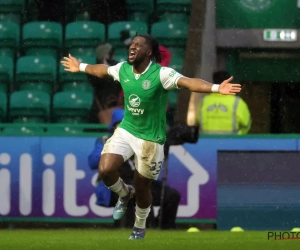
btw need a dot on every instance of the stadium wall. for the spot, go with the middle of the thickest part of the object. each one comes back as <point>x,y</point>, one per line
<point>45,178</point>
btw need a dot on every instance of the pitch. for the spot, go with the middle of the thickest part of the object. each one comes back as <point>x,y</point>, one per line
<point>70,239</point>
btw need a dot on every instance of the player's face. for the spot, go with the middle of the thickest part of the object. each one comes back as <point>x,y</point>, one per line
<point>138,51</point>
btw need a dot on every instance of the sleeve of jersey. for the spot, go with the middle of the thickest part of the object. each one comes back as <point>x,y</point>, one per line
<point>169,78</point>
<point>114,71</point>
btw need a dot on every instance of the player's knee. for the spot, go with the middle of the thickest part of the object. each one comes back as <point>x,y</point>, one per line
<point>104,170</point>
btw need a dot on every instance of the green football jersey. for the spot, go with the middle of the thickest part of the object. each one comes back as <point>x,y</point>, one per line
<point>145,99</point>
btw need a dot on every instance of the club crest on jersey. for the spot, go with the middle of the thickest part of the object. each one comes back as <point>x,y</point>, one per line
<point>134,100</point>
<point>146,84</point>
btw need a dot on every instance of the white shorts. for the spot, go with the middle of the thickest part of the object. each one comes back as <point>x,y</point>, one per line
<point>148,156</point>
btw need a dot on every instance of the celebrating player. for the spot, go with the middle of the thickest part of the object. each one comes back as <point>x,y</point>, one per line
<point>142,132</point>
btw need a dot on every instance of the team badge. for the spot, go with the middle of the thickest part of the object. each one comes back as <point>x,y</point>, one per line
<point>146,84</point>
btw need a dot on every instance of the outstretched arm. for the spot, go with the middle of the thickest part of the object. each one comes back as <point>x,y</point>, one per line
<point>198,85</point>
<point>71,64</point>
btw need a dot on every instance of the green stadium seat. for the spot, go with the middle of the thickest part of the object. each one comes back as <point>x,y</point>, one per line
<point>174,17</point>
<point>170,34</point>
<point>63,130</point>
<point>35,69</point>
<point>45,37</point>
<point>176,63</point>
<point>37,52</point>
<point>7,52</point>
<point>34,106</point>
<point>6,69</point>
<point>79,52</point>
<point>172,98</point>
<point>115,28</point>
<point>3,106</point>
<point>3,88</point>
<point>77,10</point>
<point>10,17</point>
<point>120,57</point>
<point>77,86</point>
<point>72,106</point>
<point>32,11</point>
<point>12,6</point>
<point>9,34</point>
<point>40,86</point>
<point>173,6</point>
<point>84,34</point>
<point>24,129</point>
<point>65,76</point>
<point>177,52</point>
<point>140,5</point>
<point>138,16</point>
<point>120,54</point>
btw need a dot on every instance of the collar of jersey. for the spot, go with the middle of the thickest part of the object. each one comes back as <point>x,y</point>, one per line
<point>138,75</point>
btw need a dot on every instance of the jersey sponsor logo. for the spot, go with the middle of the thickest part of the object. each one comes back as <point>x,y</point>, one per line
<point>134,100</point>
<point>135,111</point>
<point>146,84</point>
<point>126,80</point>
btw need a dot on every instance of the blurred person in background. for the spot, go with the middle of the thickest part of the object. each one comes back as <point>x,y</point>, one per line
<point>223,114</point>
<point>106,90</point>
<point>107,198</point>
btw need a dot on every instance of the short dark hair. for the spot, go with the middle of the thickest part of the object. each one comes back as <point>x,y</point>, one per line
<point>156,56</point>
<point>220,76</point>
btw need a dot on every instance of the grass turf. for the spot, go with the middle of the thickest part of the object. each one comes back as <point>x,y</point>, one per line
<point>154,240</point>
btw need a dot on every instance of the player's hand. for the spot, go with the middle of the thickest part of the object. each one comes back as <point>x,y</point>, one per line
<point>227,88</point>
<point>71,64</point>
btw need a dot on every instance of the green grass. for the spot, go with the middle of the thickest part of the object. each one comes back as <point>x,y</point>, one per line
<point>154,240</point>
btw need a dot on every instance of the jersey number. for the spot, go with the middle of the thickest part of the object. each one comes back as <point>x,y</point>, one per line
<point>155,167</point>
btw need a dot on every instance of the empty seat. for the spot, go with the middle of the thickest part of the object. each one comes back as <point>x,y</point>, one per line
<point>140,5</point>
<point>34,69</point>
<point>138,16</point>
<point>120,54</point>
<point>77,86</point>
<point>77,10</point>
<point>3,87</point>
<point>170,33</point>
<point>12,6</point>
<point>174,6</point>
<point>172,98</point>
<point>84,34</point>
<point>176,63</point>
<point>31,105</point>
<point>63,130</point>
<point>6,69</point>
<point>10,17</point>
<point>72,106</point>
<point>79,52</point>
<point>174,17</point>
<point>65,76</point>
<point>42,36</point>
<point>114,31</point>
<point>40,86</point>
<point>24,129</point>
<point>9,34</point>
<point>3,106</point>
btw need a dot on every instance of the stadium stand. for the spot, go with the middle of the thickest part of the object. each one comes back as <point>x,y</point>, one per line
<point>30,53</point>
<point>42,38</point>
<point>29,106</point>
